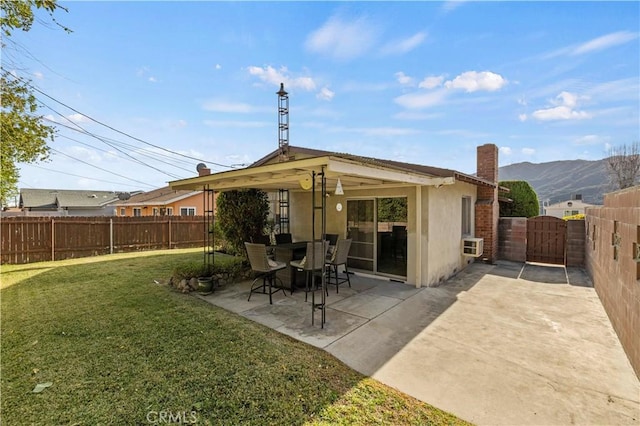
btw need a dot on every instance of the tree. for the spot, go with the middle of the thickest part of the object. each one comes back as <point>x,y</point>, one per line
<point>242,216</point>
<point>23,134</point>
<point>623,165</point>
<point>524,200</point>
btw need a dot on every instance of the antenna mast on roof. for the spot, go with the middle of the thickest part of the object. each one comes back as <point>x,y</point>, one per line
<point>283,122</point>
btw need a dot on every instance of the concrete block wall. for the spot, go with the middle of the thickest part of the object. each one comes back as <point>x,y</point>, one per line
<point>575,244</point>
<point>512,239</point>
<point>612,261</point>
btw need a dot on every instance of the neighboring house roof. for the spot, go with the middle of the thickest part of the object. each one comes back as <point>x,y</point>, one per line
<point>65,198</point>
<point>158,197</point>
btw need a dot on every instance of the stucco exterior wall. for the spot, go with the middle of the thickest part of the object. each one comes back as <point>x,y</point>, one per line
<point>441,225</point>
<point>444,231</point>
<point>196,201</point>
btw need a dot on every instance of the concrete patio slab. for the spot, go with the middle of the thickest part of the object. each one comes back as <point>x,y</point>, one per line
<point>495,344</point>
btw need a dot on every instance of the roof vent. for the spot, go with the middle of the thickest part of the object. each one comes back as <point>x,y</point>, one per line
<point>93,196</point>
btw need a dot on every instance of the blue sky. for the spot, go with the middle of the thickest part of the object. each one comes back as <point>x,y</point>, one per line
<point>421,82</point>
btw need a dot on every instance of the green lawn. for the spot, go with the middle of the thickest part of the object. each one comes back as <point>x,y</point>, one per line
<point>120,349</point>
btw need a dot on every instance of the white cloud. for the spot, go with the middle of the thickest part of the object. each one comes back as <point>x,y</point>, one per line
<point>412,115</point>
<point>77,118</point>
<point>378,131</point>
<point>605,42</point>
<point>38,75</point>
<point>236,124</point>
<point>431,82</point>
<point>565,109</point>
<point>152,79</point>
<point>472,81</point>
<point>522,117</point>
<point>325,94</point>
<point>399,47</point>
<point>590,140</point>
<point>342,39</point>
<point>505,150</point>
<point>421,100</point>
<point>528,151</point>
<point>272,76</point>
<point>403,78</point>
<point>218,67</point>
<point>224,106</point>
<point>451,5</point>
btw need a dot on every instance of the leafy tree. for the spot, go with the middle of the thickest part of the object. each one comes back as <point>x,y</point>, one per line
<point>392,209</point>
<point>242,216</point>
<point>623,165</point>
<point>525,201</point>
<point>23,134</point>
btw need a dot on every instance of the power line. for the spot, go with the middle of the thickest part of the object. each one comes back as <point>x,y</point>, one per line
<point>117,149</point>
<point>114,129</point>
<point>80,176</point>
<point>100,168</point>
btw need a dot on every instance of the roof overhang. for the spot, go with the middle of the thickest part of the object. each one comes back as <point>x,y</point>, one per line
<point>353,175</point>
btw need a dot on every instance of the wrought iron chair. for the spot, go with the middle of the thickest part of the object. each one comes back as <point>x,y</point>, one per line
<point>266,270</point>
<point>339,258</point>
<point>312,263</point>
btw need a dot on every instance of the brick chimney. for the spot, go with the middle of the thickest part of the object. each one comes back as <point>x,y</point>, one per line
<point>487,207</point>
<point>204,171</point>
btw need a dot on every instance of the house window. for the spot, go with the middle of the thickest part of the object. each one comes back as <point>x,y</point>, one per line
<point>156,212</point>
<point>137,211</point>
<point>122,212</point>
<point>466,216</point>
<point>187,211</point>
<point>169,211</point>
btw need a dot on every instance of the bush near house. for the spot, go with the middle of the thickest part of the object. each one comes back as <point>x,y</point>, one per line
<point>242,216</point>
<point>525,201</point>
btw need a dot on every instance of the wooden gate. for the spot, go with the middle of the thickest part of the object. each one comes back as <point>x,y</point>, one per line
<point>546,236</point>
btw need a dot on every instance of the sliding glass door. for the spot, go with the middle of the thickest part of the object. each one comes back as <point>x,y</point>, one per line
<point>378,228</point>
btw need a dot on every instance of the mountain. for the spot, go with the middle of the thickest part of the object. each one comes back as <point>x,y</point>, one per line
<point>561,180</point>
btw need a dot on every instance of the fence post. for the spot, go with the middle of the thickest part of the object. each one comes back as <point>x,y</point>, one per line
<point>111,235</point>
<point>169,222</point>
<point>53,238</point>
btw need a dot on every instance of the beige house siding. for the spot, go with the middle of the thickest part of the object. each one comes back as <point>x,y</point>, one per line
<point>441,225</point>
<point>444,231</point>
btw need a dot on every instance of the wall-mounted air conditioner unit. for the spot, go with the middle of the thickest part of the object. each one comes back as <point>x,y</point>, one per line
<point>472,247</point>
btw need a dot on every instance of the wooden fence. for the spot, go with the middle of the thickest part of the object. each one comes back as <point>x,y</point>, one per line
<point>37,239</point>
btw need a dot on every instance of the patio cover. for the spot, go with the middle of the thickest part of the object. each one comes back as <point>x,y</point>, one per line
<point>353,175</point>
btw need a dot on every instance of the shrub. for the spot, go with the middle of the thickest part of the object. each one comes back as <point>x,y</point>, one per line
<point>242,216</point>
<point>525,201</point>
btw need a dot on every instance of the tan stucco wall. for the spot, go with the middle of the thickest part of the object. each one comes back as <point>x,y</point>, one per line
<point>442,210</point>
<point>441,225</point>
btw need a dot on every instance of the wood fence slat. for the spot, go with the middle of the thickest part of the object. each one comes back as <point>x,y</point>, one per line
<point>28,239</point>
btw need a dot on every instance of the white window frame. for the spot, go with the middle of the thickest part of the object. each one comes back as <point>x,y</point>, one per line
<point>185,211</point>
<point>466,208</point>
<point>123,211</point>
<point>156,211</point>
<point>137,211</point>
<point>169,211</point>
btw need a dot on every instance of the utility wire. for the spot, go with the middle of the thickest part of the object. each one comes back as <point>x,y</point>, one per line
<point>80,176</point>
<point>99,168</point>
<point>112,128</point>
<point>117,149</point>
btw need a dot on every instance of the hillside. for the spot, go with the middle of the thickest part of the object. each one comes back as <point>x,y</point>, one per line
<point>560,180</point>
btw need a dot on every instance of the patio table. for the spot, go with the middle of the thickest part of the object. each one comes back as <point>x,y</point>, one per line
<point>286,253</point>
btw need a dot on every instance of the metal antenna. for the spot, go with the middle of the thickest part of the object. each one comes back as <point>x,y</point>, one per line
<point>283,122</point>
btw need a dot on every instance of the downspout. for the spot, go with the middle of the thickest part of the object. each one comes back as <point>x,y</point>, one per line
<point>418,256</point>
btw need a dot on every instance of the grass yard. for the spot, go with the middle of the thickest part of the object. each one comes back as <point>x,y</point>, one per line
<point>120,349</point>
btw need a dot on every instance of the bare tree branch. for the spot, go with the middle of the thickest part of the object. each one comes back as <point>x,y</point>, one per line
<point>623,164</point>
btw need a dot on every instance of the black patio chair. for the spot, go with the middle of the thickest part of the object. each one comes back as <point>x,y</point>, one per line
<point>265,269</point>
<point>339,258</point>
<point>311,264</point>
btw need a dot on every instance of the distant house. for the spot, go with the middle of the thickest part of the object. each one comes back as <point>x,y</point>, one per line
<point>162,202</point>
<point>566,208</point>
<point>66,202</point>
